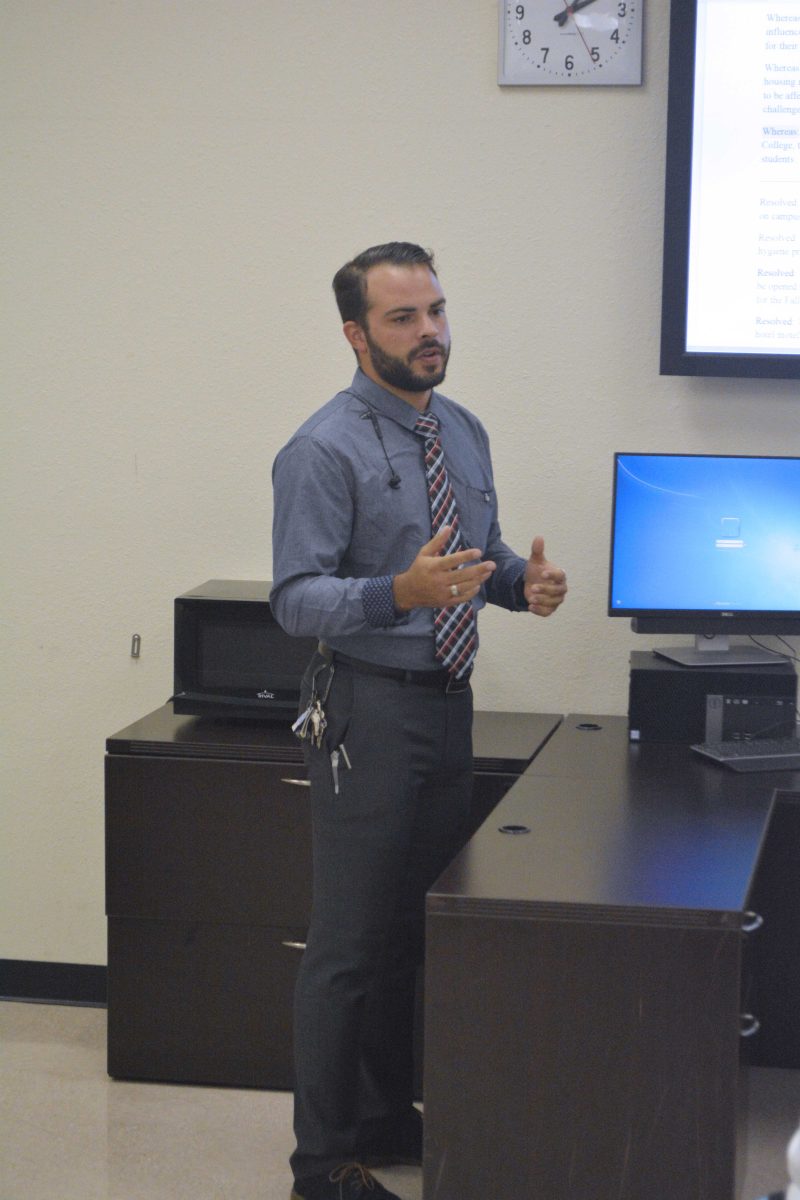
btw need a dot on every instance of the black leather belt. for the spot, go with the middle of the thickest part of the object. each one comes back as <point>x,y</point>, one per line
<point>442,680</point>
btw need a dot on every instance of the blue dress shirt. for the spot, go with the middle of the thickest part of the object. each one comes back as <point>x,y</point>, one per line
<point>340,532</point>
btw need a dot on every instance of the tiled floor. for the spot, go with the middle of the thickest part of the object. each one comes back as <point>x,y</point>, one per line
<point>70,1133</point>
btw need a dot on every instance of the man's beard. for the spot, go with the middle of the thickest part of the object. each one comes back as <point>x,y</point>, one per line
<point>398,373</point>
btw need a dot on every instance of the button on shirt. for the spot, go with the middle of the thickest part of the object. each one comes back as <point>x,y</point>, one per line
<point>341,533</point>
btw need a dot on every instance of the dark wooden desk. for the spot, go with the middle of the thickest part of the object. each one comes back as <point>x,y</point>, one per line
<point>208,888</point>
<point>586,975</point>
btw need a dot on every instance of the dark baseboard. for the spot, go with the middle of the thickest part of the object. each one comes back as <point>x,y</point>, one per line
<point>53,983</point>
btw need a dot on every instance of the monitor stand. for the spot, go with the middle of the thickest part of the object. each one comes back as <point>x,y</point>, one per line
<point>715,651</point>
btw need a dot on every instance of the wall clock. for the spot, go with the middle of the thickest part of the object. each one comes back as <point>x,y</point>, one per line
<point>585,42</point>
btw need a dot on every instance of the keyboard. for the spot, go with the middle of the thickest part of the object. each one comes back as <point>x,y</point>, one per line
<point>774,754</point>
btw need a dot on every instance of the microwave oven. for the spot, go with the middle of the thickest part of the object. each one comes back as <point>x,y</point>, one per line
<point>232,658</point>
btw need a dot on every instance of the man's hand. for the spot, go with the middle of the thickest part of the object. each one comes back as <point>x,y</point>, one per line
<point>545,584</point>
<point>429,581</point>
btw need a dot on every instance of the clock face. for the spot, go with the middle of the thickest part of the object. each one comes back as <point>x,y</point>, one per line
<point>582,42</point>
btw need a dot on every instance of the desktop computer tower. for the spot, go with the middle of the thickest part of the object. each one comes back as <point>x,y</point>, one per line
<point>672,703</point>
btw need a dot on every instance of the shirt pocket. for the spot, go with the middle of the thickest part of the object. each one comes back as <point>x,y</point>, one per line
<point>477,507</point>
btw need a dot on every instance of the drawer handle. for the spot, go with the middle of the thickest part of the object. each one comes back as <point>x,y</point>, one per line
<point>752,921</point>
<point>748,1025</point>
<point>294,945</point>
<point>298,782</point>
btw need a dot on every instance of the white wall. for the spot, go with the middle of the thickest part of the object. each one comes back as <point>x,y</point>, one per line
<point>187,176</point>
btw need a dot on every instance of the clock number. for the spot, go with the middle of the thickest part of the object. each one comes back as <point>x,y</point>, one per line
<point>545,51</point>
<point>569,62</point>
<point>594,54</point>
<point>526,37</point>
<point>622,10</point>
<point>615,36</point>
<point>520,11</point>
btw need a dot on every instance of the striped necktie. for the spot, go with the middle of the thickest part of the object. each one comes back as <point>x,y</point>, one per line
<point>454,629</point>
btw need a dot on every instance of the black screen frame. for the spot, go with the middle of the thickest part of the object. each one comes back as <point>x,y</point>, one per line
<point>675,358</point>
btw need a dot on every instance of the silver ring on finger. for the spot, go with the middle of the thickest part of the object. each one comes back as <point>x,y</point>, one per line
<point>453,589</point>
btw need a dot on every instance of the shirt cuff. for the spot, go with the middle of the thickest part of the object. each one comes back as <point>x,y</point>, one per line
<point>377,599</point>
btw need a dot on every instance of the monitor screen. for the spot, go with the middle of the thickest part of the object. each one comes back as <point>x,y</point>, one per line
<point>706,544</point>
<point>731,282</point>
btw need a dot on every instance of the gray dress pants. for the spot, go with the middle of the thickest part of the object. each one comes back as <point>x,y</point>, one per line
<point>379,843</point>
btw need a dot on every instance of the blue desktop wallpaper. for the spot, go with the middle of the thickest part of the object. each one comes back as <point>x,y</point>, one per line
<point>706,533</point>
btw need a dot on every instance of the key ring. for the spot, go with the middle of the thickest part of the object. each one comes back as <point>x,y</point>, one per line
<point>332,667</point>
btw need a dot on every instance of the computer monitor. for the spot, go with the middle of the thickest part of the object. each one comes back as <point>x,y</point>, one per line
<point>707,544</point>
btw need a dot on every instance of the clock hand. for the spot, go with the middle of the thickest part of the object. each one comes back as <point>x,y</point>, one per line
<point>561,18</point>
<point>569,11</point>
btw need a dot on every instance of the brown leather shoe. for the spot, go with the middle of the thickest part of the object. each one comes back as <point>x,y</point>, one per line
<point>349,1181</point>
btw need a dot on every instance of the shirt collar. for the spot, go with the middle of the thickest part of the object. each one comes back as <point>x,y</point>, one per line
<point>387,404</point>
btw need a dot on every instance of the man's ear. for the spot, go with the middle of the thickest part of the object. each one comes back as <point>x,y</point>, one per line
<point>355,336</point>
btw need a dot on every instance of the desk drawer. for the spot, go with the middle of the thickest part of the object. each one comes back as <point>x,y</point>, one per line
<point>190,840</point>
<point>774,951</point>
<point>201,1003</point>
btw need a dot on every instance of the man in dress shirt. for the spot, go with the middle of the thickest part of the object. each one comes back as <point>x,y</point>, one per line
<point>355,565</point>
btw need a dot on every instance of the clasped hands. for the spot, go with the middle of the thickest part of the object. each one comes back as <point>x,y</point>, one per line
<point>436,580</point>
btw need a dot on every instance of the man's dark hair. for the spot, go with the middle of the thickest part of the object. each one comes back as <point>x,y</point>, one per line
<point>350,281</point>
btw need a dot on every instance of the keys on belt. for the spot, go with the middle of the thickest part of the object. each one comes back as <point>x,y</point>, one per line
<point>312,723</point>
